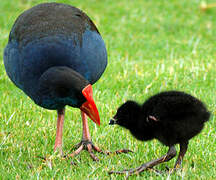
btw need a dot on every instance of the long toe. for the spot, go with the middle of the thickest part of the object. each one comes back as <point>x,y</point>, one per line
<point>86,145</point>
<point>126,171</point>
<point>79,149</point>
<point>89,148</point>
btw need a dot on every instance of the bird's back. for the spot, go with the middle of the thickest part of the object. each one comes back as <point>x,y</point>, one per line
<point>176,105</point>
<point>53,34</point>
<point>180,116</point>
<point>51,19</point>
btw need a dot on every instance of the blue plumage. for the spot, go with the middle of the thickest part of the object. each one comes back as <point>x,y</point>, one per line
<point>52,35</point>
<point>54,54</point>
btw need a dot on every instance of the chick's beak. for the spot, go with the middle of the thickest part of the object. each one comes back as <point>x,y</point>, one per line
<point>89,106</point>
<point>112,121</point>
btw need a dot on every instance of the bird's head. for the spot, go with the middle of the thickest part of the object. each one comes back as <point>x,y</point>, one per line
<point>126,114</point>
<point>60,86</point>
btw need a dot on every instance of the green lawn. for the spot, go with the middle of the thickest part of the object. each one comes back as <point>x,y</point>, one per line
<point>152,46</point>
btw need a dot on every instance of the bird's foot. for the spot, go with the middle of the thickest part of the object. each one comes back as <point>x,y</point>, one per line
<point>119,151</point>
<point>129,172</point>
<point>87,145</point>
<point>142,168</point>
<point>58,150</point>
<point>172,170</point>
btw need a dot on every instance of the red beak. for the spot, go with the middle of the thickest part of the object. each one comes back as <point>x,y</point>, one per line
<point>89,106</point>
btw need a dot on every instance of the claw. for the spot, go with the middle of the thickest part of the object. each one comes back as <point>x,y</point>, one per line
<point>77,151</point>
<point>119,151</point>
<point>89,147</point>
<point>123,151</point>
<point>41,157</point>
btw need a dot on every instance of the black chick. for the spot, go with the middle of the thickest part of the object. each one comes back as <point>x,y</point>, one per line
<point>172,117</point>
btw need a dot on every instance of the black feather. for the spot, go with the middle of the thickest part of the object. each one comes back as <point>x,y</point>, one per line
<point>179,117</point>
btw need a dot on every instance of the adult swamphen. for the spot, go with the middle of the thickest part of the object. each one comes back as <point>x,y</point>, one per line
<point>54,54</point>
<point>172,117</point>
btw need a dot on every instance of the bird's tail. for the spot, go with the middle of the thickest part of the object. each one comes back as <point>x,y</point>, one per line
<point>206,115</point>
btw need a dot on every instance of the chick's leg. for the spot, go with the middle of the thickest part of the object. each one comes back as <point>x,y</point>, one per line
<point>183,150</point>
<point>170,154</point>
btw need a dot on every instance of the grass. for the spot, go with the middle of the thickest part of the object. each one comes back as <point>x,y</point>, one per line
<point>152,46</point>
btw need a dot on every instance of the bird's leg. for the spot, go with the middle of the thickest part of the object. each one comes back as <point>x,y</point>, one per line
<point>170,154</point>
<point>183,150</point>
<point>86,142</point>
<point>59,130</point>
<point>87,138</point>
